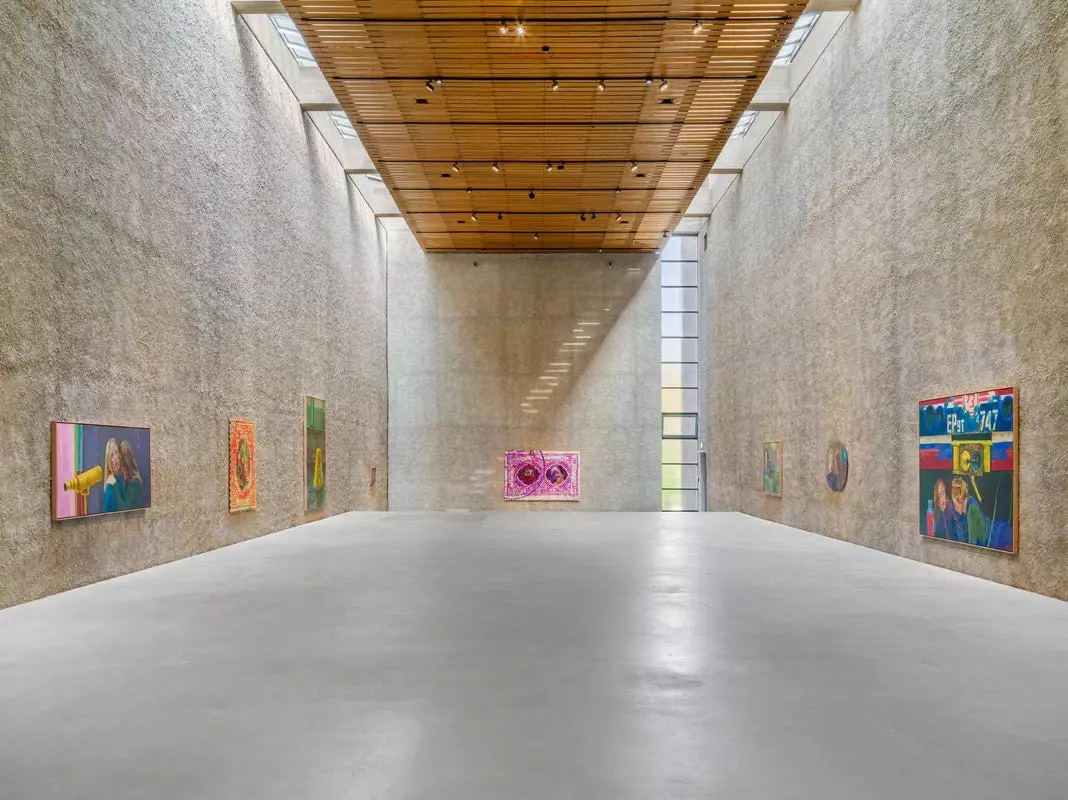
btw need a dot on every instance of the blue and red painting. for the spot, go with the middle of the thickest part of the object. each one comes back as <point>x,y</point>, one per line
<point>968,469</point>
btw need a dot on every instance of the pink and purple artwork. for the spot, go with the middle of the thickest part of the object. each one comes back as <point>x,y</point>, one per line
<point>541,475</point>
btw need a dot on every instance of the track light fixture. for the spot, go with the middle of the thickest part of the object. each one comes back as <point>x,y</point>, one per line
<point>500,215</point>
<point>619,217</point>
<point>438,81</point>
<point>600,85</point>
<point>663,84</point>
<point>531,195</point>
<point>455,166</point>
<point>556,85</point>
<point>474,216</point>
<point>536,237</point>
<point>593,215</point>
<point>469,190</point>
<point>618,190</point>
<point>548,166</point>
<point>496,168</point>
<point>633,166</point>
<point>429,85</point>
<point>503,28</point>
<point>649,81</point>
<point>560,165</point>
<point>697,26</point>
<point>520,29</point>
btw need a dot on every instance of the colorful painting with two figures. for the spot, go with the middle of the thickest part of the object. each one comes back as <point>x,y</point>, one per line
<point>773,469</point>
<point>541,475</point>
<point>968,469</point>
<point>99,469</point>
<point>314,453</point>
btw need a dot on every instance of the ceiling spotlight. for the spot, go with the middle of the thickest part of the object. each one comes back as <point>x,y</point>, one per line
<point>438,81</point>
<point>500,215</point>
<point>663,84</point>
<point>548,166</point>
<point>429,85</point>
<point>556,85</point>
<point>649,81</point>
<point>593,215</point>
<point>633,166</point>
<point>536,237</point>
<point>469,190</point>
<point>697,26</point>
<point>560,165</point>
<point>455,166</point>
<point>496,168</point>
<point>531,195</point>
<point>600,86</point>
<point>520,29</point>
<point>618,190</point>
<point>666,234</point>
<point>504,28</point>
<point>582,217</point>
<point>619,217</point>
<point>474,216</point>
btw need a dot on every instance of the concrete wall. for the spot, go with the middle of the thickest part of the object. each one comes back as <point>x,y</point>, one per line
<point>901,233</point>
<point>177,246</point>
<point>466,346</point>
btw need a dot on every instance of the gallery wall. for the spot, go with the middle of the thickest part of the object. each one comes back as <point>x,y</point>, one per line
<point>900,234</point>
<point>468,345</point>
<point>177,247</point>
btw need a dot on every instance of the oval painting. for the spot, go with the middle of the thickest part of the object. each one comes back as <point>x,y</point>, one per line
<point>837,466</point>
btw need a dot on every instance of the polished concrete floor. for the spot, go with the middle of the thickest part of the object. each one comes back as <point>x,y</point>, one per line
<point>546,656</point>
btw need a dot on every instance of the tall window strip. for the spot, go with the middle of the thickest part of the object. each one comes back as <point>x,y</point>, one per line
<point>679,375</point>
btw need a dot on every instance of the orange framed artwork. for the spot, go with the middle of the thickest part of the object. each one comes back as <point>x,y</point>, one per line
<point>242,465</point>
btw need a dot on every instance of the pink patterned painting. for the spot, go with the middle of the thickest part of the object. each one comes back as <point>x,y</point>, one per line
<point>541,475</point>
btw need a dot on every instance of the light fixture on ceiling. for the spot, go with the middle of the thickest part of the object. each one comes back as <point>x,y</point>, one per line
<point>500,215</point>
<point>663,84</point>
<point>600,85</point>
<point>556,85</point>
<point>548,166</point>
<point>520,29</point>
<point>619,217</point>
<point>455,166</point>
<point>474,216</point>
<point>496,167</point>
<point>665,234</point>
<point>697,26</point>
<point>618,190</point>
<point>560,165</point>
<point>429,85</point>
<point>503,28</point>
<point>649,81</point>
<point>531,195</point>
<point>582,217</point>
<point>438,81</point>
<point>536,237</point>
<point>469,190</point>
<point>593,215</point>
<point>633,166</point>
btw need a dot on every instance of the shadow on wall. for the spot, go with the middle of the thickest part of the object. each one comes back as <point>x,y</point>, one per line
<point>528,352</point>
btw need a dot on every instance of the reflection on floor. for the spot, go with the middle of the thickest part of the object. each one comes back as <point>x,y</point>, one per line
<point>515,655</point>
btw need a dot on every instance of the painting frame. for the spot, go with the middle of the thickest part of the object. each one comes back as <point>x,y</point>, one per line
<point>1012,391</point>
<point>54,469</point>
<point>314,496</point>
<point>540,486</point>
<point>241,500</point>
<point>769,481</point>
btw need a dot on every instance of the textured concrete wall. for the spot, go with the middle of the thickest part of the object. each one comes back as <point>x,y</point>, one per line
<point>177,246</point>
<point>466,346</point>
<point>901,233</point>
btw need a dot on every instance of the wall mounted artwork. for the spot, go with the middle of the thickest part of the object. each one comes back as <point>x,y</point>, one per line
<point>99,469</point>
<point>314,453</point>
<point>242,465</point>
<point>541,475</point>
<point>837,466</point>
<point>968,469</point>
<point>773,469</point>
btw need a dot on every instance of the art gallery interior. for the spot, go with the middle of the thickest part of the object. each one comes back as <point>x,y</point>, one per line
<point>482,400</point>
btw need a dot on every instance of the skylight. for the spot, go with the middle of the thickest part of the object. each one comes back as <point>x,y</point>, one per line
<point>344,127</point>
<point>745,122</point>
<point>805,23</point>
<point>287,29</point>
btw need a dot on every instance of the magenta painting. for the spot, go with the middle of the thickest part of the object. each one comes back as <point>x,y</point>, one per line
<point>541,475</point>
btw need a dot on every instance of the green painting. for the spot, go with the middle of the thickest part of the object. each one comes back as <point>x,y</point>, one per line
<point>773,469</point>
<point>314,453</point>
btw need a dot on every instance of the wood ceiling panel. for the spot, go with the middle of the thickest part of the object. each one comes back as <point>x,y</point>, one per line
<point>430,82</point>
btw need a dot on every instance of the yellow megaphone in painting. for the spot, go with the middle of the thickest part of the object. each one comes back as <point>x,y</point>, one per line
<point>84,481</point>
<point>317,476</point>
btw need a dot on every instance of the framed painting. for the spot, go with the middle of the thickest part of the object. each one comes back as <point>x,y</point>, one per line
<point>314,453</point>
<point>773,469</point>
<point>99,469</point>
<point>541,475</point>
<point>968,469</point>
<point>242,465</point>
<point>837,466</point>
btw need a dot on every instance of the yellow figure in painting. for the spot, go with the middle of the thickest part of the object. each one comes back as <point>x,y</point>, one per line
<point>314,453</point>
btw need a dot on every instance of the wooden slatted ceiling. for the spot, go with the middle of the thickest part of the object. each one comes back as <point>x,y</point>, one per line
<point>495,105</point>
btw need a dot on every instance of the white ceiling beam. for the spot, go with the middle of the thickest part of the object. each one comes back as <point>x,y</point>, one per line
<point>257,7</point>
<point>832,5</point>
